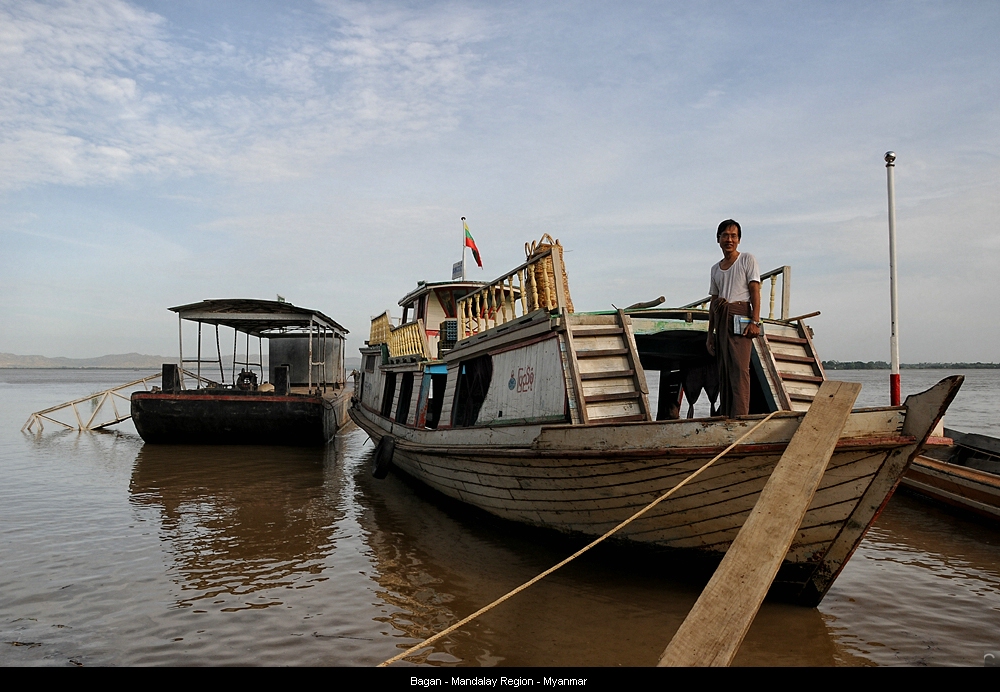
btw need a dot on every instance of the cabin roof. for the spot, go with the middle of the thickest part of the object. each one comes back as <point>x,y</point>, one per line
<point>256,317</point>
<point>428,286</point>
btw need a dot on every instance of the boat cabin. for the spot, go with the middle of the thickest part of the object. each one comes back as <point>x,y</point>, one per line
<point>513,351</point>
<point>434,307</point>
<point>305,347</point>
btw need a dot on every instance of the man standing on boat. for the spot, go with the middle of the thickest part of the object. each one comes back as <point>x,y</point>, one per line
<point>735,290</point>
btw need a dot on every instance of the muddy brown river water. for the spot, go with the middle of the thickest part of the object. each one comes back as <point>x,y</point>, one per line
<point>116,553</point>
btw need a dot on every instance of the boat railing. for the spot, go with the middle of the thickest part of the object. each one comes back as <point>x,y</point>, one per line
<point>381,326</point>
<point>784,273</point>
<point>538,284</point>
<point>409,339</point>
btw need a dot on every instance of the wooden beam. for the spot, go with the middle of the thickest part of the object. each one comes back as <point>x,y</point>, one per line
<point>602,353</point>
<point>574,380</point>
<point>714,629</point>
<point>778,339</point>
<point>598,331</point>
<point>606,375</point>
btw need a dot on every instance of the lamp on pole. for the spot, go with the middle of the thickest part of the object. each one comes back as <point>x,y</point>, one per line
<point>890,165</point>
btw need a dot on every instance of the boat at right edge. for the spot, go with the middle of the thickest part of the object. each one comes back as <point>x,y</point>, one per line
<point>964,475</point>
<point>522,407</point>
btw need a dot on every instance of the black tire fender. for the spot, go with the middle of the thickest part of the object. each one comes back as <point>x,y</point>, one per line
<point>382,458</point>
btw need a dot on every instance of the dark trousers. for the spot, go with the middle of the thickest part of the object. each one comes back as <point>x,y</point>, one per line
<point>732,352</point>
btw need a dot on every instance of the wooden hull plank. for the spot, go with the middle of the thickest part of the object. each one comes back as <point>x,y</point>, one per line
<point>714,629</point>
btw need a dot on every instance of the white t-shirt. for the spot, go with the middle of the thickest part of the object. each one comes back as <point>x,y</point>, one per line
<point>733,284</point>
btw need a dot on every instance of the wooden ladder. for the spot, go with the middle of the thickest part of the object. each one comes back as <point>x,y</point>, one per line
<point>606,368</point>
<point>795,362</point>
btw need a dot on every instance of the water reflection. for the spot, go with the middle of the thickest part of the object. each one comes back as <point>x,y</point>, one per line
<point>922,589</point>
<point>437,561</point>
<point>115,553</point>
<point>240,520</point>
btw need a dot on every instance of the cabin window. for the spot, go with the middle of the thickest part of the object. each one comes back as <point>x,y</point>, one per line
<point>405,394</point>
<point>387,394</point>
<point>473,383</point>
<point>436,400</point>
<point>449,298</point>
<point>370,363</point>
<point>422,308</point>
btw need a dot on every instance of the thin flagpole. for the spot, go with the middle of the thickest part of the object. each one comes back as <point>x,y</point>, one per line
<point>890,165</point>
<point>463,248</point>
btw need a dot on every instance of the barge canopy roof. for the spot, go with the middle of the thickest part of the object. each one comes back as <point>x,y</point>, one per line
<point>256,317</point>
<point>425,287</point>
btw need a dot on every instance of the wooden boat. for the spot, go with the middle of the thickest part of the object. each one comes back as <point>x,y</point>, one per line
<point>303,402</point>
<point>965,475</point>
<point>522,407</point>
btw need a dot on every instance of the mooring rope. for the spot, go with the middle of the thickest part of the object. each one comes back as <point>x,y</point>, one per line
<point>581,551</point>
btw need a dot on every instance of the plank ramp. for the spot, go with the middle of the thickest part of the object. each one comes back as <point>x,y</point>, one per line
<point>612,381</point>
<point>714,629</point>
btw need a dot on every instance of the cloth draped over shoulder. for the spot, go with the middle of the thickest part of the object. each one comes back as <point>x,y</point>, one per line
<point>732,353</point>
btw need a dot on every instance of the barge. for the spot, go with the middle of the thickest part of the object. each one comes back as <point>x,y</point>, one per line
<point>301,399</point>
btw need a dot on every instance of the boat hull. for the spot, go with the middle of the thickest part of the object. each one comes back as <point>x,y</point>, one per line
<point>587,479</point>
<point>967,489</point>
<point>199,417</point>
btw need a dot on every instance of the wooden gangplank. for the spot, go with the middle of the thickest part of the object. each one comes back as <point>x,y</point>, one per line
<point>99,403</point>
<point>714,629</point>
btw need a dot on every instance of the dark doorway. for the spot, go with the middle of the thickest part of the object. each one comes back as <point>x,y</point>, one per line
<point>387,394</point>
<point>473,383</point>
<point>436,400</point>
<point>405,394</point>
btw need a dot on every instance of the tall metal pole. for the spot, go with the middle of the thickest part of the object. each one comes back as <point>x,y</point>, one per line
<point>180,350</point>
<point>463,248</point>
<point>890,165</point>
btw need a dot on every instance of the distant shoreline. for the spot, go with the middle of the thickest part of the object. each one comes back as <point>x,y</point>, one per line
<point>882,365</point>
<point>79,367</point>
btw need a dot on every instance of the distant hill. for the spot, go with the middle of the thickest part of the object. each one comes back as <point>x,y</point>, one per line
<point>123,360</point>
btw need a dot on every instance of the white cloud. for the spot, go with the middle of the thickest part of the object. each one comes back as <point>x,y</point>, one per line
<point>311,134</point>
<point>92,92</point>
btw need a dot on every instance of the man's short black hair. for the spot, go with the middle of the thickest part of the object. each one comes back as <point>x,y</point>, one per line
<point>726,224</point>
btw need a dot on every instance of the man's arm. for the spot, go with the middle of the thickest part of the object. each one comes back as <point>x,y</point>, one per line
<point>753,330</point>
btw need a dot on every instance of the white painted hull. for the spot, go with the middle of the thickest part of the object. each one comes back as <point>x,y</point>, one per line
<point>587,479</point>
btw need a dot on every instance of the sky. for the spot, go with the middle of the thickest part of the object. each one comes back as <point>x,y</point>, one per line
<point>158,153</point>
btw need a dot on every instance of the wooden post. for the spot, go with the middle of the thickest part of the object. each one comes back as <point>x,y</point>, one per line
<point>574,365</point>
<point>774,284</point>
<point>786,292</point>
<point>180,346</point>
<point>524,292</point>
<point>714,629</point>
<point>533,281</point>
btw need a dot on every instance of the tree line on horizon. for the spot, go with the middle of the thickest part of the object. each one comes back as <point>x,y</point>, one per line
<point>882,365</point>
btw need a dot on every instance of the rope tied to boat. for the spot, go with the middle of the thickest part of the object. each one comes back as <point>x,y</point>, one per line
<point>581,551</point>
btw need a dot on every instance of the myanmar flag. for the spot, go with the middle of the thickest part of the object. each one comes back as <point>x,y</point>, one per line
<point>471,243</point>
